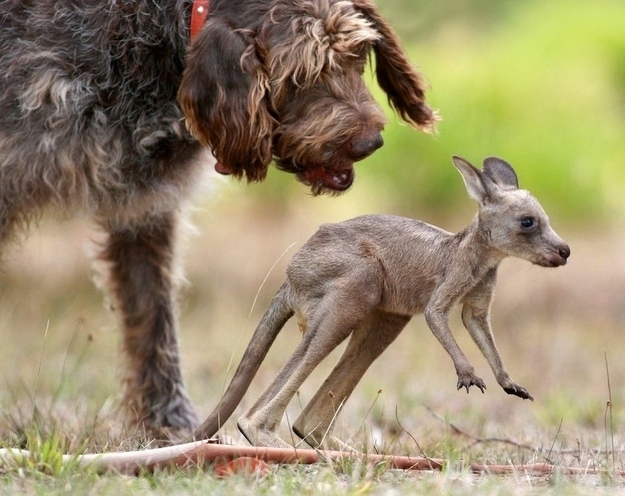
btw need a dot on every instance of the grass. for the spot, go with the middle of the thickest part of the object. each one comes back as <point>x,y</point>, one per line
<point>556,330</point>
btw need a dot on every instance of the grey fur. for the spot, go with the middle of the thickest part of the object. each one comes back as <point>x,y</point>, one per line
<point>367,277</point>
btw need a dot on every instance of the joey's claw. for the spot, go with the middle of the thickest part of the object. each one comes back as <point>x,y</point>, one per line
<point>519,391</point>
<point>471,380</point>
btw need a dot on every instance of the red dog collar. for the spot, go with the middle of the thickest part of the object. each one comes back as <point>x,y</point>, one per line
<point>199,13</point>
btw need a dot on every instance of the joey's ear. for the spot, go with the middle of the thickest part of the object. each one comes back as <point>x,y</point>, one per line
<point>473,179</point>
<point>501,173</point>
<point>222,97</point>
<point>403,85</point>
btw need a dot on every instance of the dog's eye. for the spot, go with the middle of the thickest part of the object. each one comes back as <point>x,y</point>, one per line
<point>527,222</point>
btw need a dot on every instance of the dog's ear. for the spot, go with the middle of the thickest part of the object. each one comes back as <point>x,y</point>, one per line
<point>396,76</point>
<point>222,95</point>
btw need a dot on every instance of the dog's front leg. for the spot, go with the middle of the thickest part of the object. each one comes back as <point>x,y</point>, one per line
<point>142,285</point>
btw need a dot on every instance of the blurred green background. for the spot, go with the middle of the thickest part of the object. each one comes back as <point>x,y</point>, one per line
<point>540,83</point>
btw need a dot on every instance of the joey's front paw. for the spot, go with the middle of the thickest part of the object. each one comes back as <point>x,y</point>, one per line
<point>519,391</point>
<point>469,379</point>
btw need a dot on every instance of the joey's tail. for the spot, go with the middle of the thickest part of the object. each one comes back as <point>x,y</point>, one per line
<point>279,312</point>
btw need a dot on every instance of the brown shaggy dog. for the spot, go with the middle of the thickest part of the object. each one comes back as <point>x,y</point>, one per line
<point>107,107</point>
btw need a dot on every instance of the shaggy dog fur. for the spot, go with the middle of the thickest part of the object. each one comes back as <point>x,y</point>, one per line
<point>106,107</point>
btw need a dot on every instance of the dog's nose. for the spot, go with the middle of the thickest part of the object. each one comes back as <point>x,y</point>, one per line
<point>362,147</point>
<point>565,251</point>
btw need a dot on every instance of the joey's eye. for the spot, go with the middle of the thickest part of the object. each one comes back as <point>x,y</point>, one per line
<point>527,222</point>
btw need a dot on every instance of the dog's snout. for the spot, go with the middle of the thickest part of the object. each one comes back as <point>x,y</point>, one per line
<point>362,147</point>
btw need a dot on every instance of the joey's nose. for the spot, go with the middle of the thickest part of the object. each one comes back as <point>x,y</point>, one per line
<point>559,255</point>
<point>362,147</point>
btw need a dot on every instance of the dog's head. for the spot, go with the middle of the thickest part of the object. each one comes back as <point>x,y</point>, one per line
<point>289,86</point>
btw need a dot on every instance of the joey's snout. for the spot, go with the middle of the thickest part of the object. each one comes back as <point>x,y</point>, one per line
<point>559,254</point>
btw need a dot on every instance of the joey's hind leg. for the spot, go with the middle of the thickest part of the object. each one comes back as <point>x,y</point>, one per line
<point>260,423</point>
<point>142,282</point>
<point>337,315</point>
<point>367,343</point>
